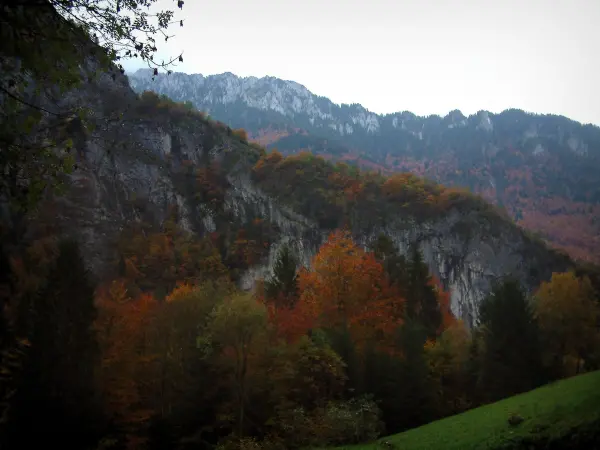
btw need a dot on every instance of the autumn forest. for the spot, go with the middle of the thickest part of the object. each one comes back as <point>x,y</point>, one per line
<point>168,353</point>
<point>149,301</point>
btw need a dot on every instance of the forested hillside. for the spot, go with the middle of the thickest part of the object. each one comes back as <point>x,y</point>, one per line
<point>162,349</point>
<point>543,169</point>
<point>167,284</point>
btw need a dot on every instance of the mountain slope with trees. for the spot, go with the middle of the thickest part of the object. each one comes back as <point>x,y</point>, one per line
<point>166,284</point>
<point>543,169</point>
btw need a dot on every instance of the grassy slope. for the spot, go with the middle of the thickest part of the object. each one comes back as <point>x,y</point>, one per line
<point>561,409</point>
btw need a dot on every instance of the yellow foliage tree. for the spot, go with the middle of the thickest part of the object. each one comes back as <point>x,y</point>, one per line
<point>236,331</point>
<point>448,357</point>
<point>567,314</point>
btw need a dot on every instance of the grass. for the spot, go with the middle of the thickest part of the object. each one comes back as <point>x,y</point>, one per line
<point>563,414</point>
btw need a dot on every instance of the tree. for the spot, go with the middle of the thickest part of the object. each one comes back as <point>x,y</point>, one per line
<point>348,289</point>
<point>448,359</point>
<point>416,391</point>
<point>426,301</point>
<point>124,331</point>
<point>422,303</point>
<point>300,375</point>
<point>156,261</point>
<point>57,391</point>
<point>508,323</point>
<point>174,335</point>
<point>395,264</point>
<point>233,329</point>
<point>44,45</point>
<point>282,287</point>
<point>567,313</point>
<point>183,388</point>
<point>23,276</point>
<point>118,28</point>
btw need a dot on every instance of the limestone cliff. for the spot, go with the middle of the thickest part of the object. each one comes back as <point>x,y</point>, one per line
<point>542,168</point>
<point>133,166</point>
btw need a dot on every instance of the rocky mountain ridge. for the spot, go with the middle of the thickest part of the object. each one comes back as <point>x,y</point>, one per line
<point>542,169</point>
<point>147,165</point>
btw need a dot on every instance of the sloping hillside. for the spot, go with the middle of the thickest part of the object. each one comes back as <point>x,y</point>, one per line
<point>542,169</point>
<point>562,415</point>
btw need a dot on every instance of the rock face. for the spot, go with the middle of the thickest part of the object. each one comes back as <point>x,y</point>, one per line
<point>543,169</point>
<point>130,169</point>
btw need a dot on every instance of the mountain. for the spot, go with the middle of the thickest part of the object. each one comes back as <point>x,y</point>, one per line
<point>544,170</point>
<point>145,159</point>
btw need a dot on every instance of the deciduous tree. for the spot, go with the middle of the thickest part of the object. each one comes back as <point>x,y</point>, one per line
<point>235,326</point>
<point>567,313</point>
<point>448,359</point>
<point>123,327</point>
<point>180,376</point>
<point>347,288</point>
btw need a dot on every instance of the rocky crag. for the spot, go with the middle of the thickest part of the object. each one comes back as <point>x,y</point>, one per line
<point>133,166</point>
<point>543,169</point>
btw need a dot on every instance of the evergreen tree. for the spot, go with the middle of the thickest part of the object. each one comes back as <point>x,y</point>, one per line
<point>511,362</point>
<point>473,368</point>
<point>394,263</point>
<point>415,283</point>
<point>284,282</point>
<point>421,299</point>
<point>56,392</point>
<point>416,390</point>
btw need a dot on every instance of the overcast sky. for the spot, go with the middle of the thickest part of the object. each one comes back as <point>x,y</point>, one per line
<point>424,56</point>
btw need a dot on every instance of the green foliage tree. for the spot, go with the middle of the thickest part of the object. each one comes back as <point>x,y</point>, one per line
<point>300,379</point>
<point>416,390</point>
<point>283,284</point>
<point>184,389</point>
<point>234,328</point>
<point>421,298</point>
<point>511,362</point>
<point>411,276</point>
<point>394,263</point>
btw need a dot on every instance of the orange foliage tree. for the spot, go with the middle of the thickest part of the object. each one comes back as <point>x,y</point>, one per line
<point>156,262</point>
<point>123,327</point>
<point>347,287</point>
<point>242,134</point>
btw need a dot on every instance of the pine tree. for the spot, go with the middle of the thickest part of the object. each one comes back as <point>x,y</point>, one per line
<point>416,388</point>
<point>395,264</point>
<point>414,282</point>
<point>421,299</point>
<point>511,362</point>
<point>284,281</point>
<point>56,393</point>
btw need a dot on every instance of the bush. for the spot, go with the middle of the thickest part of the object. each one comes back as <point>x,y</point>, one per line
<point>338,423</point>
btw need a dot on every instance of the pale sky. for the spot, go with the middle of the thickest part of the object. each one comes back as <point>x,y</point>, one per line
<point>424,56</point>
